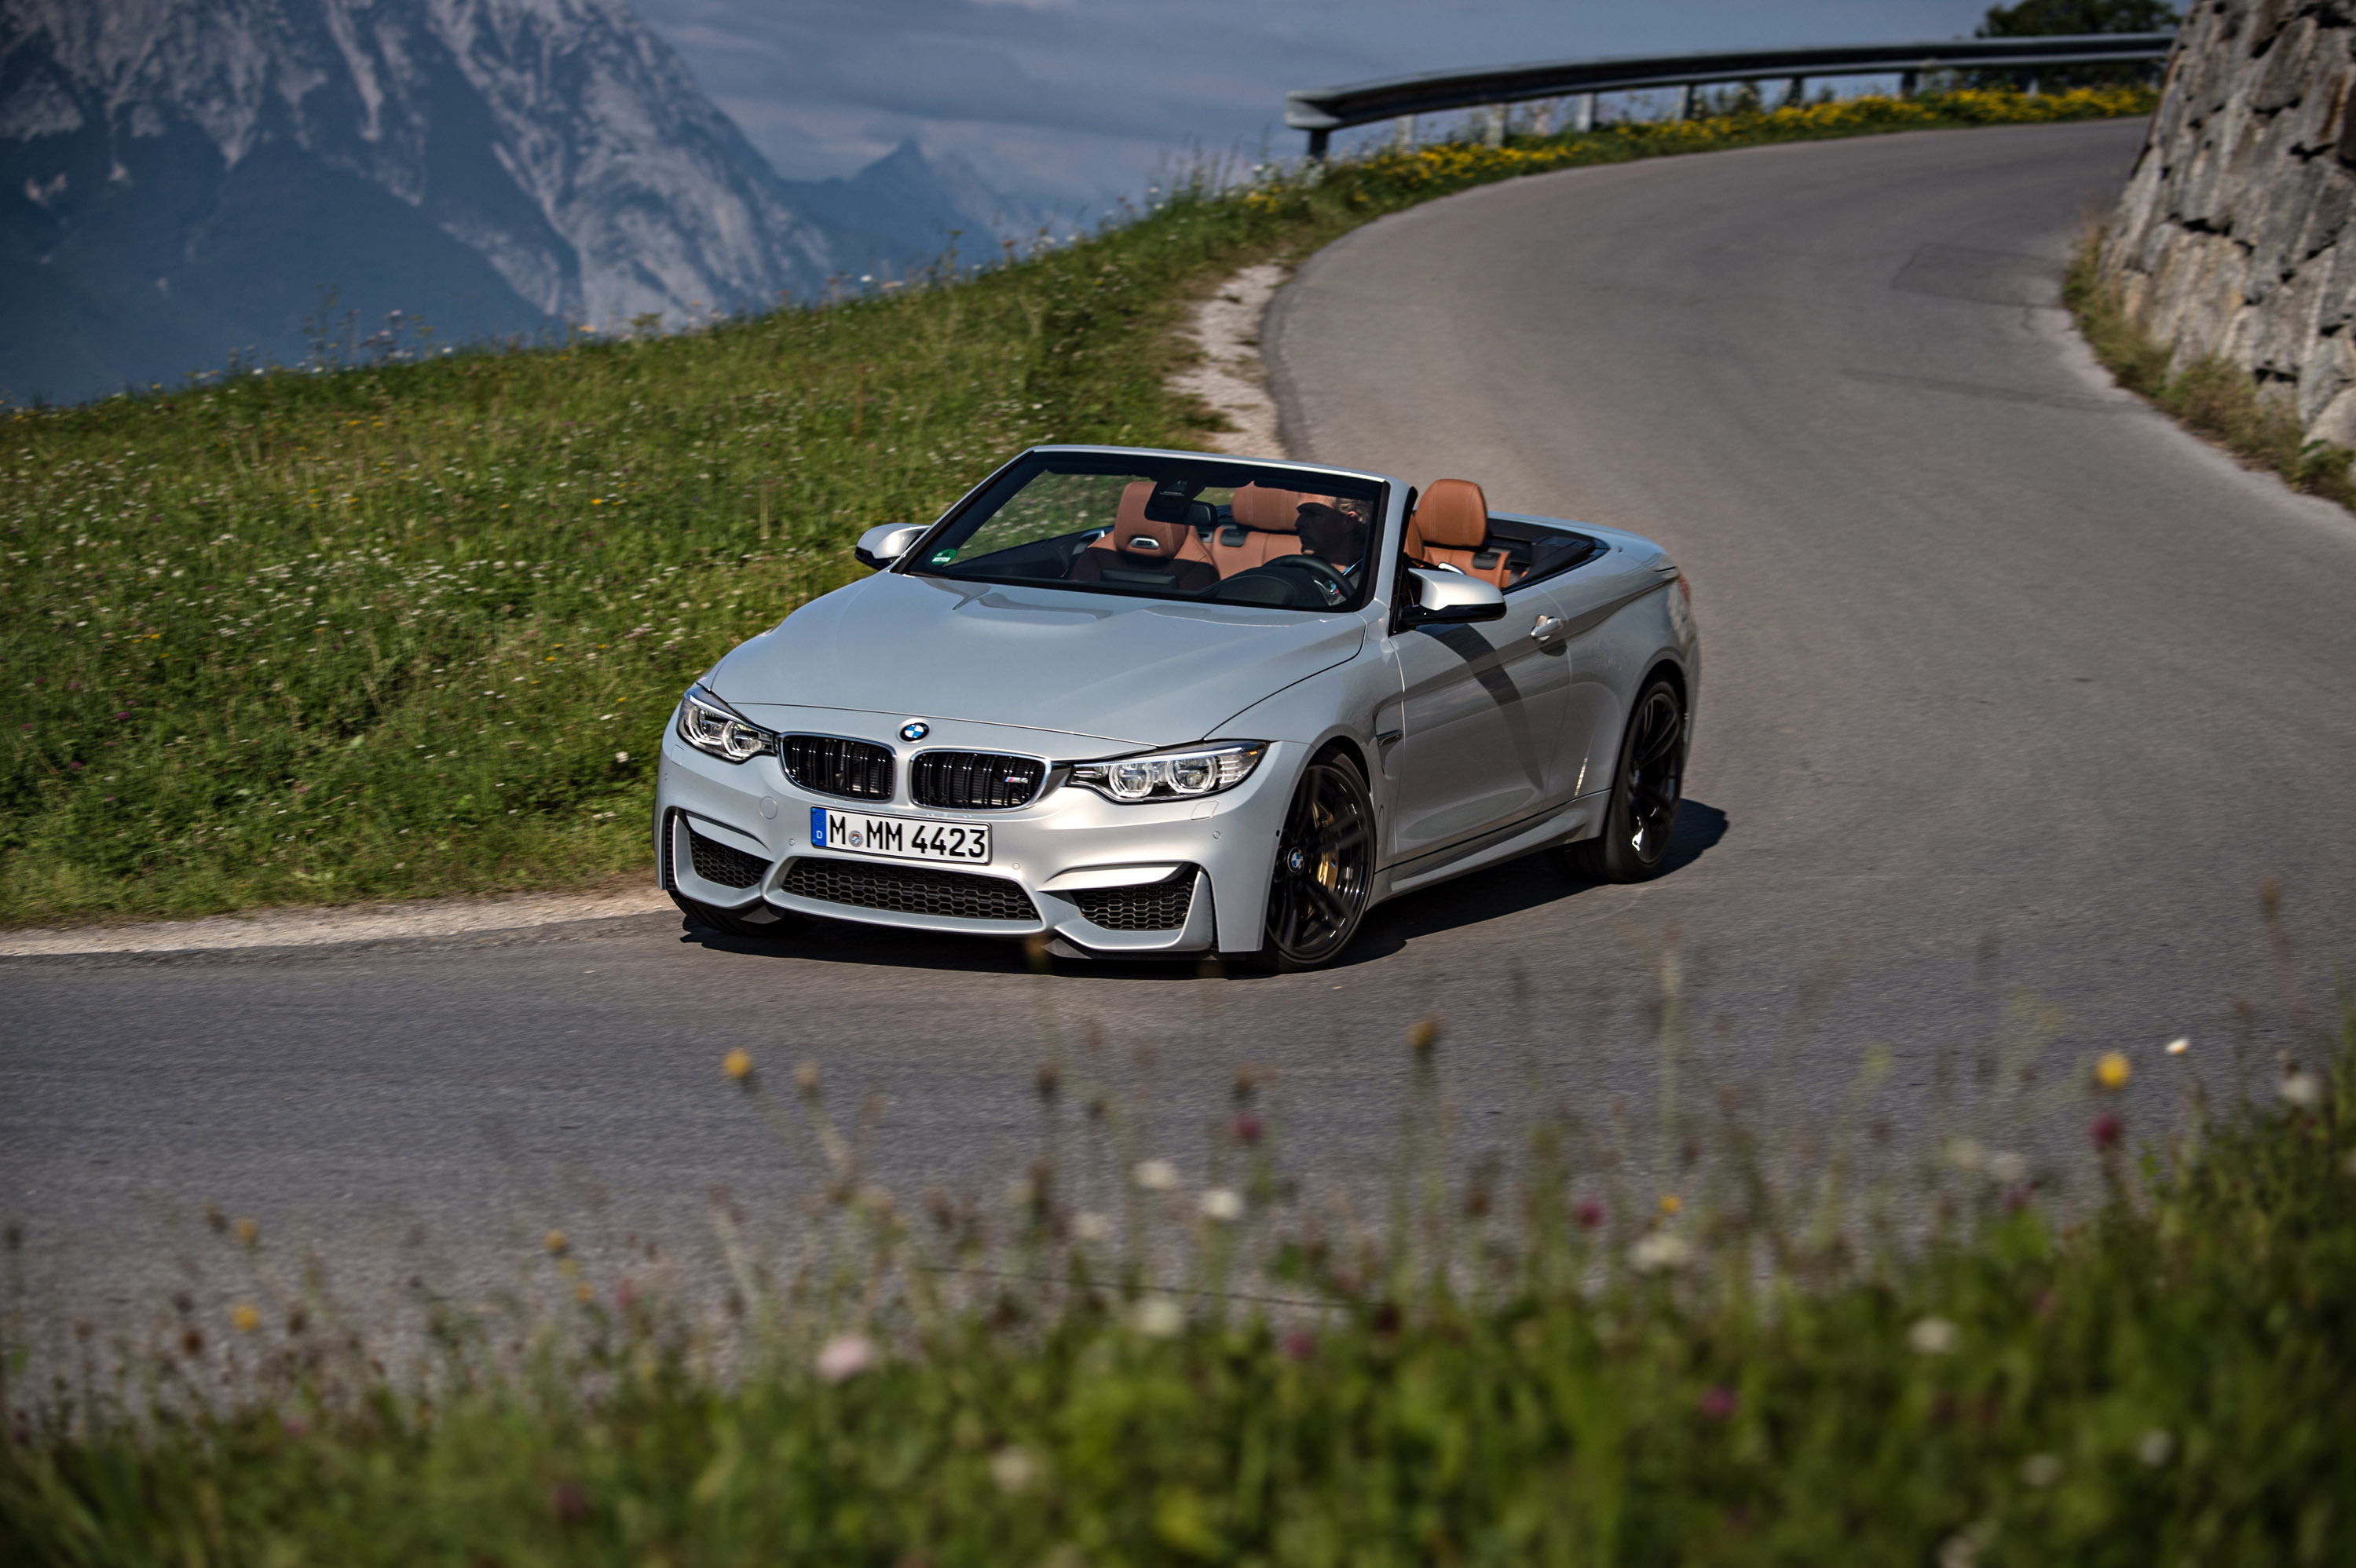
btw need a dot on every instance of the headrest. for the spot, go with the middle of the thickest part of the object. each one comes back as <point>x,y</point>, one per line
<point>1135,534</point>
<point>1268,509</point>
<point>1452,515</point>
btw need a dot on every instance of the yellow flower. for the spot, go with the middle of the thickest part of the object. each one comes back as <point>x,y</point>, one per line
<point>244,1319</point>
<point>557,1244</point>
<point>248,1232</point>
<point>2111,1071</point>
<point>1671,1202</point>
<point>738,1065</point>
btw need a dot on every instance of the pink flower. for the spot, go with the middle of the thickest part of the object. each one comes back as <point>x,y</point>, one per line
<point>1718,1401</point>
<point>2104,1131</point>
<point>1299,1345</point>
<point>1590,1213</point>
<point>1245,1127</point>
<point>844,1357</point>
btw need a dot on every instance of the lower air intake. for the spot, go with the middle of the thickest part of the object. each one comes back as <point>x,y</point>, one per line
<point>908,890</point>
<point>1153,906</point>
<point>717,862</point>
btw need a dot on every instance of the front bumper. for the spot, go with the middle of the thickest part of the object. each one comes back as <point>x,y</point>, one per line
<point>1077,860</point>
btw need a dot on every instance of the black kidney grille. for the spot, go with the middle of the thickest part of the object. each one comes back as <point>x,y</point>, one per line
<point>829,765</point>
<point>974,780</point>
<point>717,862</point>
<point>909,889</point>
<point>1153,906</point>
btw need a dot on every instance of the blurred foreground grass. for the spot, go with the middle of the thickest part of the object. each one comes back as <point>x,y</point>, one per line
<point>1551,1362</point>
<point>410,628</point>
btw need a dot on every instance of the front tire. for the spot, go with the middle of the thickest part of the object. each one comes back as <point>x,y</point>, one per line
<point>1646,789</point>
<point>729,922</point>
<point>1324,865</point>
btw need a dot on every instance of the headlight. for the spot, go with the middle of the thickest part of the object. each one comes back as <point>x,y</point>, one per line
<point>1172,775</point>
<point>708,724</point>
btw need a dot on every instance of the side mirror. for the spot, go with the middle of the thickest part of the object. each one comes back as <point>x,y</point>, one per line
<point>1450,598</point>
<point>879,548</point>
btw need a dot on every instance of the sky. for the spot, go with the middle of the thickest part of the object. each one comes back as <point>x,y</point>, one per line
<point>1073,102</point>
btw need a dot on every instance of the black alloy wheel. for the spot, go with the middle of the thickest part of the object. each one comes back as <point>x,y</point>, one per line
<point>1324,864</point>
<point>1646,789</point>
<point>732,922</point>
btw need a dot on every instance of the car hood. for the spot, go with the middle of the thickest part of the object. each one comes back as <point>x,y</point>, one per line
<point>1142,671</point>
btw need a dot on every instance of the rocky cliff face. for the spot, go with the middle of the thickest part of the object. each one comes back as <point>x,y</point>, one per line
<point>2235,237</point>
<point>183,179</point>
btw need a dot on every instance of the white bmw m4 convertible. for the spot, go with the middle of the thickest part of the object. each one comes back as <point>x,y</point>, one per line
<point>1160,704</point>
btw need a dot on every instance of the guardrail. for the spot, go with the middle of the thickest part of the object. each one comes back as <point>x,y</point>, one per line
<point>1321,111</point>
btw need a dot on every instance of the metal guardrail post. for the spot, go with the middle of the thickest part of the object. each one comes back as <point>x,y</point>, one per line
<point>1582,113</point>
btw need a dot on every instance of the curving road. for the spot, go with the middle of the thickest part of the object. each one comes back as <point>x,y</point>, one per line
<point>2012,688</point>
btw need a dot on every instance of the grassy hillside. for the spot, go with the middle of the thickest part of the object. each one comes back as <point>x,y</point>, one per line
<point>410,629</point>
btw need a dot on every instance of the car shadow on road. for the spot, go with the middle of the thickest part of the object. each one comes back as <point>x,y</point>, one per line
<point>1527,883</point>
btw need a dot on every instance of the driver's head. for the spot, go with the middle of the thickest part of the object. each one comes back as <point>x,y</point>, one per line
<point>1332,534</point>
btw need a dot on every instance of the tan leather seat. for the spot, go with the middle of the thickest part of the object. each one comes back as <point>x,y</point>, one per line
<point>1266,525</point>
<point>1141,553</point>
<point>1450,527</point>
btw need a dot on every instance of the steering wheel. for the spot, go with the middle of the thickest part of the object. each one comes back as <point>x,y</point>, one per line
<point>1326,580</point>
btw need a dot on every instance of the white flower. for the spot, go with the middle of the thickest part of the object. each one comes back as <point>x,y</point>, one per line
<point>621,756</point>
<point>1092,1227</point>
<point>1932,1336</point>
<point>844,1357</point>
<point>2302,1089</point>
<point>2040,1470</point>
<point>2179,1046</point>
<point>2007,1167</point>
<point>1155,1175</point>
<point>1223,1205</point>
<point>1013,1468</point>
<point>2156,1448</point>
<point>1661,1250</point>
<point>1157,1318</point>
<point>1965,1154</point>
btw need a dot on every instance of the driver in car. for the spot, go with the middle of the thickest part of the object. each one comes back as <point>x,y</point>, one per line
<point>1331,535</point>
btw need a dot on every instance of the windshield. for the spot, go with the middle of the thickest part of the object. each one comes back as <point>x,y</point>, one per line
<point>1168,527</point>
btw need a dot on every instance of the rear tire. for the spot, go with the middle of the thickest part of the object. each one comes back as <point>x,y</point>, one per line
<point>1646,789</point>
<point>731,923</point>
<point>1324,865</point>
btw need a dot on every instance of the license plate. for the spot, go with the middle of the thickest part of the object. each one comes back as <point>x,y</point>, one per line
<point>899,837</point>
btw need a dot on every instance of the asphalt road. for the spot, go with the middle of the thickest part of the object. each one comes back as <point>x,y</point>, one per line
<point>2012,689</point>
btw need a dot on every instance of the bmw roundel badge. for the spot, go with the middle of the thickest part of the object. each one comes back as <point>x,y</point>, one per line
<point>915,730</point>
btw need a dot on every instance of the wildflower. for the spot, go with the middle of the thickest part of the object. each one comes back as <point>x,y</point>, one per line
<point>2156,1448</point>
<point>1661,1251</point>
<point>806,1079</point>
<point>244,1319</point>
<point>1932,1336</point>
<point>1155,1175</point>
<point>1222,1204</point>
<point>2301,1089</point>
<point>1245,1127</point>
<point>1718,1402</point>
<point>1588,1213</point>
<point>2111,1073</point>
<point>1013,1468</point>
<point>557,1244</point>
<point>1093,1229</point>
<point>2179,1046</point>
<point>738,1065</point>
<point>844,1357</point>
<point>1671,1202</point>
<point>1157,1318</point>
<point>249,1232</point>
<point>1299,1345</point>
<point>2105,1130</point>
<point>1965,1154</point>
<point>621,756</point>
<point>2007,1167</point>
<point>568,1502</point>
<point>2040,1470</point>
<point>1422,1036</point>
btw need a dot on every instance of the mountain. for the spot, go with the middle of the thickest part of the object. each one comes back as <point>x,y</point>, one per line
<point>181,180</point>
<point>904,211</point>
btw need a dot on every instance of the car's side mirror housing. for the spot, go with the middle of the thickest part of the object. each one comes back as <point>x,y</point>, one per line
<point>879,548</point>
<point>1444,598</point>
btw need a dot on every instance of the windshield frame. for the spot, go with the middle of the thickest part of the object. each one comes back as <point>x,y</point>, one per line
<point>995,492</point>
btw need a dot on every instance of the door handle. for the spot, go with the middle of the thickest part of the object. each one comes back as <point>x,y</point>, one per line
<point>1546,626</point>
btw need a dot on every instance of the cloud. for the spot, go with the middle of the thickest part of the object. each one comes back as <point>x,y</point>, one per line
<point>1078,98</point>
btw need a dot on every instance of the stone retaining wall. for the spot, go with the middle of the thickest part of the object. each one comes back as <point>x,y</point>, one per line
<point>2235,236</point>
